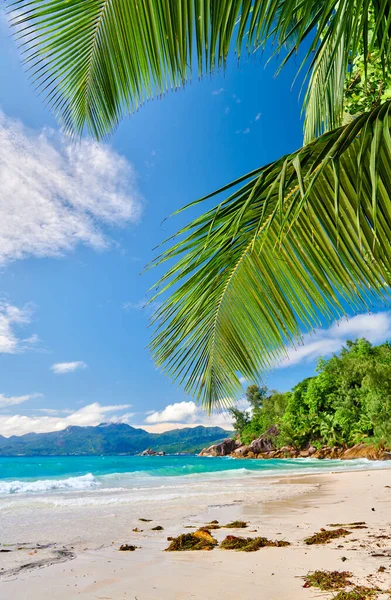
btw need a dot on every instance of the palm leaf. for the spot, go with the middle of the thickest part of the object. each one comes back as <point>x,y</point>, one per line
<point>324,100</point>
<point>96,61</point>
<point>305,238</point>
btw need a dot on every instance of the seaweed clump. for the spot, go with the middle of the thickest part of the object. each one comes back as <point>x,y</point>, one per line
<point>199,540</point>
<point>157,528</point>
<point>381,569</point>
<point>145,520</point>
<point>355,525</point>
<point>236,525</point>
<point>127,548</point>
<point>328,580</point>
<point>357,593</point>
<point>324,537</point>
<point>215,525</point>
<point>211,525</point>
<point>232,542</point>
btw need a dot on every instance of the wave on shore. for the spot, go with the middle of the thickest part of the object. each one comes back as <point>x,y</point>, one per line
<point>45,485</point>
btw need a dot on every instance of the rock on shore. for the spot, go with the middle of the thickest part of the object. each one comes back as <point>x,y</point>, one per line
<point>264,447</point>
<point>223,449</point>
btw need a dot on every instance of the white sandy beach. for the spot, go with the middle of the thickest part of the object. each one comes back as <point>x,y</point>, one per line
<point>291,509</point>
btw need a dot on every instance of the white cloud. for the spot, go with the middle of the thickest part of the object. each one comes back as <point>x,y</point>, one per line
<point>185,414</point>
<point>10,318</point>
<point>179,411</point>
<point>227,110</point>
<point>374,327</point>
<point>55,194</point>
<point>6,401</point>
<point>258,116</point>
<point>174,416</point>
<point>247,130</point>
<point>68,367</point>
<point>217,92</point>
<point>223,420</point>
<point>90,415</point>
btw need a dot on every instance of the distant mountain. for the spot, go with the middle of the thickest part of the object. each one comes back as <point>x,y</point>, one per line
<point>111,438</point>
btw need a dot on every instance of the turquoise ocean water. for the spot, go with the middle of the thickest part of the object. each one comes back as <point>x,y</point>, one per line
<point>45,475</point>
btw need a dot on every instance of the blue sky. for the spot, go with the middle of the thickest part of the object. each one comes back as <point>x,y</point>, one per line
<point>80,222</point>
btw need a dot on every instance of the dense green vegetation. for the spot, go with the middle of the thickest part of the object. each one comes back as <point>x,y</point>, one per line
<point>347,402</point>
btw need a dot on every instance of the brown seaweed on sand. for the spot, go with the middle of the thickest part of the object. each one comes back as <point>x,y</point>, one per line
<point>199,540</point>
<point>356,525</point>
<point>381,569</point>
<point>209,527</point>
<point>157,528</point>
<point>232,542</point>
<point>235,525</point>
<point>127,548</point>
<point>328,580</point>
<point>215,525</point>
<point>145,520</point>
<point>357,593</point>
<point>324,537</point>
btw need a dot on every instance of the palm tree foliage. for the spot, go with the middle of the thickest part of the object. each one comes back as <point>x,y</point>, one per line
<point>97,60</point>
<point>303,236</point>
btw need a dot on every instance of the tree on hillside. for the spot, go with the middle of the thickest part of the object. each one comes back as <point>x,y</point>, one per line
<point>266,409</point>
<point>240,419</point>
<point>292,241</point>
<point>255,396</point>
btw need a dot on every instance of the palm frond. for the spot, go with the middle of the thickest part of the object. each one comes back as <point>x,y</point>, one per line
<point>324,99</point>
<point>96,61</point>
<point>305,237</point>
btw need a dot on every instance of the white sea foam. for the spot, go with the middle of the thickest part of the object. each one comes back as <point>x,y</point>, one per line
<point>84,482</point>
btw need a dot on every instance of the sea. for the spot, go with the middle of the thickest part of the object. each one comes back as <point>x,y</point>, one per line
<point>23,476</point>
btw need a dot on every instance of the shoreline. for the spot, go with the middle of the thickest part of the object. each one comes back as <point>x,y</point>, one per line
<point>308,503</point>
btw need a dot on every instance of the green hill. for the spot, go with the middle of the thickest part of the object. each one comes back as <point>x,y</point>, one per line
<point>117,438</point>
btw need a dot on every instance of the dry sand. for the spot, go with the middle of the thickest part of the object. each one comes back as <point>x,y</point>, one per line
<point>149,573</point>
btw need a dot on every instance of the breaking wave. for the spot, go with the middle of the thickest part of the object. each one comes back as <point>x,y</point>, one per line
<point>84,482</point>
